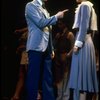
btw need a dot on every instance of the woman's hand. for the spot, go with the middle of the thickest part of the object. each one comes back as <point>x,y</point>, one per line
<point>75,49</point>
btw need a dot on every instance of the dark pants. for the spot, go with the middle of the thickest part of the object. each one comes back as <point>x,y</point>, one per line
<point>38,60</point>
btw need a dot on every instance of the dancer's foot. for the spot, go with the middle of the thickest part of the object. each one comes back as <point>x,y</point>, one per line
<point>15,98</point>
<point>39,96</point>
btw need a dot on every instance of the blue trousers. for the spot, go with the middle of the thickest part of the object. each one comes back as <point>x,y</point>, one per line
<point>38,60</point>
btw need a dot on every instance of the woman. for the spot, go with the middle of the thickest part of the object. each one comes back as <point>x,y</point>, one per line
<point>63,43</point>
<point>83,77</point>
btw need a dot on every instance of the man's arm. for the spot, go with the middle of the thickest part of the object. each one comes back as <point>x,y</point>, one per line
<point>36,16</point>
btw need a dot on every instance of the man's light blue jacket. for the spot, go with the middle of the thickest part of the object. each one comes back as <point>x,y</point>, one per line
<point>38,22</point>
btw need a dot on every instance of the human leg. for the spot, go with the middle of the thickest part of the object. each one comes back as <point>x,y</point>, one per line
<point>76,94</point>
<point>33,74</point>
<point>63,90</point>
<point>47,83</point>
<point>20,83</point>
<point>82,96</point>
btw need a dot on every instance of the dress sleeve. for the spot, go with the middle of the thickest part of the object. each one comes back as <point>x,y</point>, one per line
<point>83,26</point>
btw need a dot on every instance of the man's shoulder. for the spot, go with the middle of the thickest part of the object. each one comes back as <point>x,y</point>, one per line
<point>30,4</point>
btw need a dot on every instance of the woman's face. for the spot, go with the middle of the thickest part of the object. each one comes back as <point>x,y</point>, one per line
<point>79,1</point>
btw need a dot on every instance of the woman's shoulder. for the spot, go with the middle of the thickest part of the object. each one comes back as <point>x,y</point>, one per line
<point>70,35</point>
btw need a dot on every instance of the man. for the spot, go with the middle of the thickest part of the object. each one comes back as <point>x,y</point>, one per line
<point>39,48</point>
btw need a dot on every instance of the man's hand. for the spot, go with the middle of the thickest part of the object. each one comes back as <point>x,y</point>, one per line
<point>52,55</point>
<point>60,14</point>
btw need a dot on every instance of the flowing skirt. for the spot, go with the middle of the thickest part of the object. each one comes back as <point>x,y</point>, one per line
<point>83,74</point>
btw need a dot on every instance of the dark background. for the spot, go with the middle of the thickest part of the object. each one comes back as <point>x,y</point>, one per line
<point>12,18</point>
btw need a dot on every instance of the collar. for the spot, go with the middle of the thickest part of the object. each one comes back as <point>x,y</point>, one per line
<point>39,1</point>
